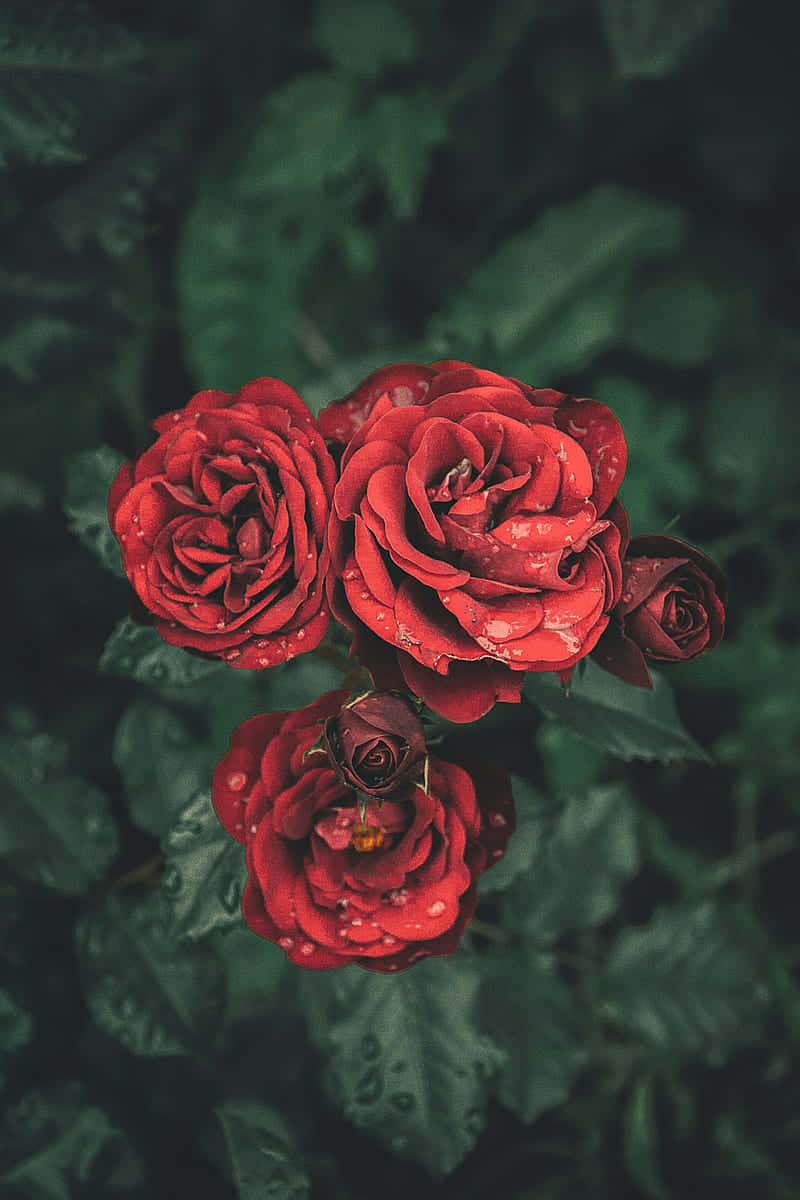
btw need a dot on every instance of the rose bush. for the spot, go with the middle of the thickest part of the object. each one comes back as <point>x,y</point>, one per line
<point>311,890</point>
<point>474,532</point>
<point>672,608</point>
<point>376,743</point>
<point>222,522</point>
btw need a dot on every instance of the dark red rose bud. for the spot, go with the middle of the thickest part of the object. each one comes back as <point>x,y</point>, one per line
<point>376,743</point>
<point>672,608</point>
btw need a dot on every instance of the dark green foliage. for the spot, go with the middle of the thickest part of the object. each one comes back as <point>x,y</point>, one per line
<point>615,717</point>
<point>596,196</point>
<point>55,828</point>
<point>258,1142</point>
<point>405,1058</point>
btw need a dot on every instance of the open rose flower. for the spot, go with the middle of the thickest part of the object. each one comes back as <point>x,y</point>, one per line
<point>672,608</point>
<point>222,521</point>
<point>322,890</point>
<point>376,743</point>
<point>474,535</point>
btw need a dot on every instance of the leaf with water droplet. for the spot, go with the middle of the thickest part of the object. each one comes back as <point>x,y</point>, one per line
<point>262,1158</point>
<point>56,829</point>
<point>89,475</point>
<point>544,1054</point>
<point>163,764</point>
<point>425,1018</point>
<point>157,997</point>
<point>136,651</point>
<point>211,871</point>
<point>592,839</point>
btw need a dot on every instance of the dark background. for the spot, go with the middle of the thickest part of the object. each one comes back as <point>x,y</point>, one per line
<point>597,196</point>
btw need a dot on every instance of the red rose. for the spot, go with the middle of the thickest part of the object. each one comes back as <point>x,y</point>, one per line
<point>222,521</point>
<point>311,890</point>
<point>672,608</point>
<point>403,383</point>
<point>376,743</point>
<point>475,536</point>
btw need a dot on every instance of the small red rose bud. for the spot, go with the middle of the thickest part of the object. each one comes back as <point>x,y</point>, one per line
<point>672,608</point>
<point>376,743</point>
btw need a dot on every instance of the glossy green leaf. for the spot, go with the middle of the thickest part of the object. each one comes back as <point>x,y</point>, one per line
<point>648,38</point>
<point>640,1144</point>
<point>154,995</point>
<point>583,859</point>
<point>533,1018</point>
<point>264,1162</point>
<point>205,873</point>
<point>163,764</point>
<point>55,828</point>
<point>137,652</point>
<point>405,1060</point>
<point>554,296</point>
<point>89,476</point>
<point>55,1144</point>
<point>686,984</point>
<point>629,722</point>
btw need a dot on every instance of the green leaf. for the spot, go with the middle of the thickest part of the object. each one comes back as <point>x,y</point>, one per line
<point>301,681</point>
<point>263,1160</point>
<point>677,318</point>
<point>554,296</point>
<point>544,1054</point>
<point>205,874</point>
<point>570,764</point>
<point>629,722</point>
<point>162,762</point>
<point>54,1144</point>
<point>686,984</point>
<point>535,813</point>
<point>55,828</point>
<point>155,996</point>
<point>89,476</point>
<point>406,1062</point>
<point>640,1145</point>
<point>585,856</point>
<point>364,37</point>
<point>137,652</point>
<point>254,969</point>
<point>407,128</point>
<point>648,38</point>
<point>50,71</point>
<point>259,221</point>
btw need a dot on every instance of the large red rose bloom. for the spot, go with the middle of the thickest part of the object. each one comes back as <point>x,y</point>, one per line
<point>222,523</point>
<point>310,890</point>
<point>474,533</point>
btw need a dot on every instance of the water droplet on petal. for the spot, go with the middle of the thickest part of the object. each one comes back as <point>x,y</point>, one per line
<point>237,780</point>
<point>437,908</point>
<point>286,942</point>
<point>497,820</point>
<point>307,948</point>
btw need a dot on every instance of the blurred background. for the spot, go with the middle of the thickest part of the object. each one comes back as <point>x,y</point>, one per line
<point>599,196</point>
